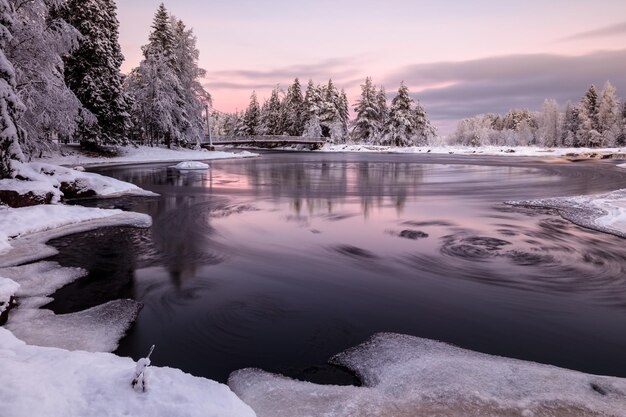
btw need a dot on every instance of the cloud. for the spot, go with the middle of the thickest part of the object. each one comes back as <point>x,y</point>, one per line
<point>497,84</point>
<point>339,69</point>
<point>613,30</point>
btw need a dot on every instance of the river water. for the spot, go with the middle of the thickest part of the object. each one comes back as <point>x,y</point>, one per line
<point>282,261</point>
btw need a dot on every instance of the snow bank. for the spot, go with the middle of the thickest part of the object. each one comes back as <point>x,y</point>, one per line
<point>142,154</point>
<point>468,150</point>
<point>50,382</point>
<point>8,288</point>
<point>604,212</point>
<point>45,178</point>
<point>410,376</point>
<point>24,231</point>
<point>191,166</point>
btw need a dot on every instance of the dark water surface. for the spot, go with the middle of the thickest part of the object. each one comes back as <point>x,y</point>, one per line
<point>282,261</point>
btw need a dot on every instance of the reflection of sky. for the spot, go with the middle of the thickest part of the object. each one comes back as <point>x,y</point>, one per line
<point>248,45</point>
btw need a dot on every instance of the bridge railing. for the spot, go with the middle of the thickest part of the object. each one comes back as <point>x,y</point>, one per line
<point>264,138</point>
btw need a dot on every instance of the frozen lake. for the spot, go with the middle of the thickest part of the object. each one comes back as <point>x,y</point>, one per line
<point>283,261</point>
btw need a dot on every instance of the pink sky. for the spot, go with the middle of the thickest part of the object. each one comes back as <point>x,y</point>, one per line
<point>459,57</point>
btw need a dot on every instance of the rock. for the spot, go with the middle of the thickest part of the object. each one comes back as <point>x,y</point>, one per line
<point>79,168</point>
<point>4,316</point>
<point>413,234</point>
<point>16,200</point>
<point>71,190</point>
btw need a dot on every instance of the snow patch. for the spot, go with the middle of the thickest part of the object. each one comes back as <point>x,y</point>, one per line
<point>38,381</point>
<point>603,212</point>
<point>190,166</point>
<point>469,150</point>
<point>8,288</point>
<point>142,154</point>
<point>410,376</point>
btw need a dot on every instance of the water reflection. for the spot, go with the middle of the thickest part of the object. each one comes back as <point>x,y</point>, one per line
<point>283,261</point>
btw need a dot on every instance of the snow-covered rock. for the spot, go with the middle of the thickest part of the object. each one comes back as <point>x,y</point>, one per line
<point>191,166</point>
<point>39,381</point>
<point>410,376</point>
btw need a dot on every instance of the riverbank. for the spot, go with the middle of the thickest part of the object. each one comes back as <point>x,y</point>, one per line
<point>71,155</point>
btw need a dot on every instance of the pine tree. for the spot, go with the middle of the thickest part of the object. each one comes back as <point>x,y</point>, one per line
<point>156,87</point>
<point>608,116</point>
<point>367,124</point>
<point>588,132</point>
<point>402,127</point>
<point>271,114</point>
<point>93,71</point>
<point>293,108</point>
<point>425,131</point>
<point>192,95</point>
<point>40,38</point>
<point>312,103</point>
<point>329,112</point>
<point>383,114</point>
<point>344,114</point>
<point>570,126</point>
<point>11,108</point>
<point>252,118</point>
<point>621,139</point>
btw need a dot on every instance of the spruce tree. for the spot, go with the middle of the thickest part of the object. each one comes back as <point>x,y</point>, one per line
<point>425,131</point>
<point>383,114</point>
<point>93,71</point>
<point>11,108</point>
<point>329,111</point>
<point>621,139</point>
<point>271,115</point>
<point>570,126</point>
<point>608,116</point>
<point>293,108</point>
<point>367,124</point>
<point>312,103</point>
<point>252,118</point>
<point>588,132</point>
<point>402,126</point>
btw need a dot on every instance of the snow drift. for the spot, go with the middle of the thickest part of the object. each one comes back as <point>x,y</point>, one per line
<point>38,381</point>
<point>410,376</point>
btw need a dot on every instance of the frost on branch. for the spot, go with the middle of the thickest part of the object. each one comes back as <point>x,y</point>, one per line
<point>139,380</point>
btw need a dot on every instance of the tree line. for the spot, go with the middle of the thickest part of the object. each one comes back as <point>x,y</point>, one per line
<point>598,120</point>
<point>60,78</point>
<point>323,112</point>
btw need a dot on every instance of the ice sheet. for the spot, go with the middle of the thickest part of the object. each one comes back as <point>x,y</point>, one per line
<point>410,376</point>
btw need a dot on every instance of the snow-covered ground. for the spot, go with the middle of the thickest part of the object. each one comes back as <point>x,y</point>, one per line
<point>72,156</point>
<point>410,376</point>
<point>39,381</point>
<point>468,150</point>
<point>603,212</point>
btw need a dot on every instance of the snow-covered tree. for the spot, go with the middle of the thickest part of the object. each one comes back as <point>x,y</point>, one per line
<point>11,108</point>
<point>293,110</point>
<point>383,113</point>
<point>313,129</point>
<point>192,94</point>
<point>588,131</point>
<point>402,127</point>
<point>272,114</point>
<point>329,113</point>
<point>40,38</point>
<point>608,115</point>
<point>621,139</point>
<point>252,118</point>
<point>424,130</point>
<point>312,105</point>
<point>93,71</point>
<point>550,124</point>
<point>367,125</point>
<point>570,126</point>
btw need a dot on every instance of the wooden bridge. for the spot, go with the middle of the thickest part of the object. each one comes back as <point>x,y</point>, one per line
<point>267,142</point>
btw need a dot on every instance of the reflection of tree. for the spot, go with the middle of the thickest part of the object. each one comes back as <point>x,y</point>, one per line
<point>322,186</point>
